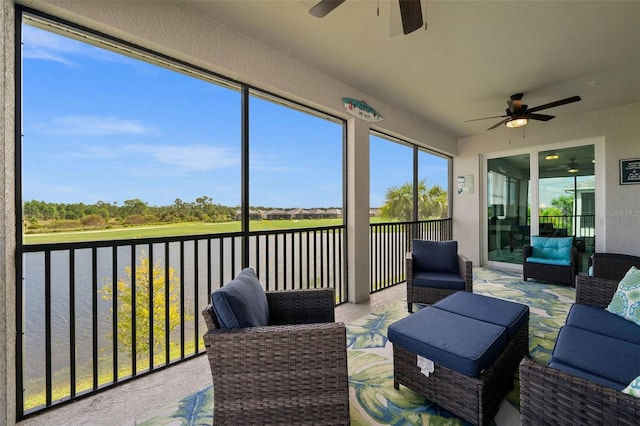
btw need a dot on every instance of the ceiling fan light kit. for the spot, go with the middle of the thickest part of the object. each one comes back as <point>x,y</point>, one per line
<point>553,156</point>
<point>517,122</point>
<point>519,114</point>
<point>573,166</point>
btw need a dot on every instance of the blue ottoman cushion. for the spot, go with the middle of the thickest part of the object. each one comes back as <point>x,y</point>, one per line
<point>445,280</point>
<point>601,321</point>
<point>459,343</point>
<point>507,314</point>
<point>599,355</point>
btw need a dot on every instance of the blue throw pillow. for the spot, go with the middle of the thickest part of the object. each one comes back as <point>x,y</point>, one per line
<point>435,256</point>
<point>241,302</point>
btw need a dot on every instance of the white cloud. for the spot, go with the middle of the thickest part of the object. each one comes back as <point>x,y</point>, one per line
<point>94,152</point>
<point>192,157</point>
<point>95,126</point>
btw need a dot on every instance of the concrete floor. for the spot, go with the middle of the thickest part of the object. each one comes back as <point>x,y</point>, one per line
<point>125,403</point>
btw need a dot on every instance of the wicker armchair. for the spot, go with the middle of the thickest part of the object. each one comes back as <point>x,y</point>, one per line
<point>293,371</point>
<point>549,272</point>
<point>612,266</point>
<point>423,291</point>
<point>550,396</point>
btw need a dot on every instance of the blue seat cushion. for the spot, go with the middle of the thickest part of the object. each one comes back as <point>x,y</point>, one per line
<point>445,280</point>
<point>459,343</point>
<point>242,302</point>
<point>435,256</point>
<point>601,321</point>
<point>510,315</point>
<point>556,262</point>
<point>596,354</point>
<point>559,365</point>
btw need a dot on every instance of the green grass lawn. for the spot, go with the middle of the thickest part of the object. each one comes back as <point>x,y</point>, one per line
<point>174,229</point>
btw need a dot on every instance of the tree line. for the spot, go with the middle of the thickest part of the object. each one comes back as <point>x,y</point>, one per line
<point>131,212</point>
<point>432,203</point>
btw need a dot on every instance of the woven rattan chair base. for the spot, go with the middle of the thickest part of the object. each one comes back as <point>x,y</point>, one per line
<point>475,399</point>
<point>293,371</point>
<point>552,397</point>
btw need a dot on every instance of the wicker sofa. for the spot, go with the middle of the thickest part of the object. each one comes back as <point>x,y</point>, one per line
<point>291,371</point>
<point>551,396</point>
<point>611,266</point>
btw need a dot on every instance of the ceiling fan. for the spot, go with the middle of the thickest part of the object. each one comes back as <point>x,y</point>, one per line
<point>519,114</point>
<point>410,12</point>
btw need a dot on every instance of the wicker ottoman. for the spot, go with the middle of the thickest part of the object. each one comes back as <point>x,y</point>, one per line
<point>475,343</point>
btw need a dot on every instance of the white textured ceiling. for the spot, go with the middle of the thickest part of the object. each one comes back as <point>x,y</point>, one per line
<point>472,57</point>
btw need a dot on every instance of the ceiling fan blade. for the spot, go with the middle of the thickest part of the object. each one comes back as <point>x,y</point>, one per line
<point>498,124</point>
<point>411,13</point>
<point>540,117</point>
<point>323,7</point>
<point>555,104</point>
<point>486,118</point>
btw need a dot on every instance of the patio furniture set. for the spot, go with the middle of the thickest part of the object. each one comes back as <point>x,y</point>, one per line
<point>280,357</point>
<point>596,355</point>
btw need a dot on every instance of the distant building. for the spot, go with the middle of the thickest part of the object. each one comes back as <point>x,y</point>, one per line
<point>334,213</point>
<point>277,215</point>
<point>253,215</point>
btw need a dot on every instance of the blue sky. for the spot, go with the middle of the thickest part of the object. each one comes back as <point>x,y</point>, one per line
<point>100,126</point>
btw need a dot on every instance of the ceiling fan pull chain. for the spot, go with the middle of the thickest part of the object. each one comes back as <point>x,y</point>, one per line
<point>425,15</point>
<point>378,8</point>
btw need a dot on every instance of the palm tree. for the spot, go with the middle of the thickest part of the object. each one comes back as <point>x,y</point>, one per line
<point>398,202</point>
<point>432,202</point>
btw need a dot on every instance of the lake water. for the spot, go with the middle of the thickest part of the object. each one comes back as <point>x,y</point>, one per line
<point>272,259</point>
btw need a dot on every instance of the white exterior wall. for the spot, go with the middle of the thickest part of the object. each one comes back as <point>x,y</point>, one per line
<point>617,206</point>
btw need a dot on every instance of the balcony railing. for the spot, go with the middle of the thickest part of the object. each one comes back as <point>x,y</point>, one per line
<point>581,226</point>
<point>390,242</point>
<point>86,326</point>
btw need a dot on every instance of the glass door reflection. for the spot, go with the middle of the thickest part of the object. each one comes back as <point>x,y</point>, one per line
<point>508,202</point>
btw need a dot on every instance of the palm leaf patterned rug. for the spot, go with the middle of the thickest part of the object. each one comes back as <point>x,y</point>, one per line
<point>373,400</point>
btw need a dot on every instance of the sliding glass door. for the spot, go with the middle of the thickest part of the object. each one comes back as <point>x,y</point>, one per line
<point>559,181</point>
<point>508,206</point>
<point>566,188</point>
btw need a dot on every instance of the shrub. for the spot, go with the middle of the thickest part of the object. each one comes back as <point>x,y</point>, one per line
<point>93,220</point>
